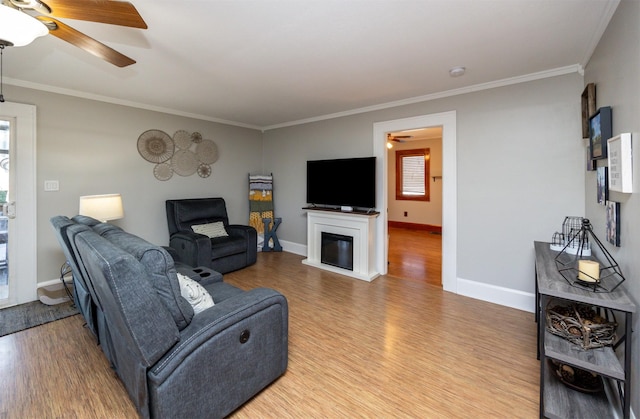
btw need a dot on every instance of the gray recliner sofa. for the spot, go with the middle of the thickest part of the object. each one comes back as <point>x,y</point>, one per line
<point>173,363</point>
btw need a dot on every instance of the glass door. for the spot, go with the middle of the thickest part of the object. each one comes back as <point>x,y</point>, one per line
<point>5,141</point>
<point>18,256</point>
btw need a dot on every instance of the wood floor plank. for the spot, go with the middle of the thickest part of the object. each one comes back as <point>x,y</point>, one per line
<point>389,348</point>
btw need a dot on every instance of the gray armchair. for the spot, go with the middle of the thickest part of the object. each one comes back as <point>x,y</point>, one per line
<point>223,253</point>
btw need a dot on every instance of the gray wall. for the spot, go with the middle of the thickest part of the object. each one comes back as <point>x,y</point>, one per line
<point>91,148</point>
<point>614,68</point>
<point>520,171</point>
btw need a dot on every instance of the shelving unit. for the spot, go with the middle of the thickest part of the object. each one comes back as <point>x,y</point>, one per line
<point>556,399</point>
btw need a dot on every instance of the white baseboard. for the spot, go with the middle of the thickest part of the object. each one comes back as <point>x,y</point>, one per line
<point>292,247</point>
<point>56,281</point>
<point>520,300</point>
<point>287,246</point>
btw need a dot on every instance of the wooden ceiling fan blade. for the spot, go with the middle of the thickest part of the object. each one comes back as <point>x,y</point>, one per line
<point>120,13</point>
<point>397,137</point>
<point>85,42</point>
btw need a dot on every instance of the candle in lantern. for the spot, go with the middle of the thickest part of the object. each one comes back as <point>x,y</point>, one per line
<point>589,270</point>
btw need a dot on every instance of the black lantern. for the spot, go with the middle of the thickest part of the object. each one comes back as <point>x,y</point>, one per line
<point>583,270</point>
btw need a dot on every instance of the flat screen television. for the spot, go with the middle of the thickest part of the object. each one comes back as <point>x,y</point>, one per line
<point>342,182</point>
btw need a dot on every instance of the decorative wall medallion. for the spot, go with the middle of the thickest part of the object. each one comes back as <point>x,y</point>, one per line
<point>182,139</point>
<point>155,146</point>
<point>185,154</point>
<point>204,170</point>
<point>184,163</point>
<point>163,171</point>
<point>196,137</point>
<point>207,152</point>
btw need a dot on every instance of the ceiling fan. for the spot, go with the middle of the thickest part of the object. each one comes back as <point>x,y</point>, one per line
<point>398,138</point>
<point>113,12</point>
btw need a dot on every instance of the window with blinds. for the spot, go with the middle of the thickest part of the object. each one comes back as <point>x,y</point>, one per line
<point>412,174</point>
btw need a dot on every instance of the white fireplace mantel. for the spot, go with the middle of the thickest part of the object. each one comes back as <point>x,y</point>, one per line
<point>360,226</point>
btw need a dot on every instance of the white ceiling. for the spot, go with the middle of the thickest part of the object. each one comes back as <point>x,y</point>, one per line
<point>272,63</point>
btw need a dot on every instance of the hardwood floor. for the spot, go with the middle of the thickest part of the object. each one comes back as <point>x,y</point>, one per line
<point>415,254</point>
<point>383,349</point>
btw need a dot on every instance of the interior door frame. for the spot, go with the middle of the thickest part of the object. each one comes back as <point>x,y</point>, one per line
<point>449,189</point>
<point>22,245</point>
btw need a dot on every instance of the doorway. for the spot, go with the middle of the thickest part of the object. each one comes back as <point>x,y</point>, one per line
<point>449,191</point>
<point>414,207</point>
<point>20,239</point>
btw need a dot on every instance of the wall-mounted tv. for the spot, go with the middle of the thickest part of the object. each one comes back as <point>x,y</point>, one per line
<point>342,182</point>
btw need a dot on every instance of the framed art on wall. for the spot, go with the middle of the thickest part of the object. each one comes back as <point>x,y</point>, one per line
<point>600,130</point>
<point>591,164</point>
<point>613,223</point>
<point>588,107</point>
<point>620,163</point>
<point>603,186</point>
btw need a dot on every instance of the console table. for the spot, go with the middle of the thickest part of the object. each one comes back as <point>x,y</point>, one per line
<point>556,399</point>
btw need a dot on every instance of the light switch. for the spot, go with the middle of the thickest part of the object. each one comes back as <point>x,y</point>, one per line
<point>51,185</point>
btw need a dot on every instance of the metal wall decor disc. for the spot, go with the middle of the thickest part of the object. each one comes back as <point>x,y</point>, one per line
<point>155,146</point>
<point>196,137</point>
<point>182,139</point>
<point>207,152</point>
<point>184,163</point>
<point>163,171</point>
<point>204,170</point>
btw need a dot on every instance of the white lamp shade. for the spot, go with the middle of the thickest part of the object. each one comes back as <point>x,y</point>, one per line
<point>18,28</point>
<point>102,207</point>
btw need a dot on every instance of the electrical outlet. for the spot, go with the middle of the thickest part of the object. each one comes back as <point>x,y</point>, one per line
<point>51,185</point>
<point>406,213</point>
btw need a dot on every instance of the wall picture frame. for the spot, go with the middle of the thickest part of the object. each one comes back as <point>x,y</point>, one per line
<point>588,107</point>
<point>613,223</point>
<point>600,130</point>
<point>590,164</point>
<point>620,161</point>
<point>602,185</point>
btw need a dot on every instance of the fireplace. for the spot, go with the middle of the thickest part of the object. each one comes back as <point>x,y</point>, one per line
<point>342,242</point>
<point>337,250</point>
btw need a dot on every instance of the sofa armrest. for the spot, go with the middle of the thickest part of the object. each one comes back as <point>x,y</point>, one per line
<point>173,253</point>
<point>251,236</point>
<point>225,356</point>
<point>192,248</point>
<point>207,276</point>
<point>201,274</point>
<point>248,232</point>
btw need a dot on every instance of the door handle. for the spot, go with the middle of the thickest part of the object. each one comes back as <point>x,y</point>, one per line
<point>9,209</point>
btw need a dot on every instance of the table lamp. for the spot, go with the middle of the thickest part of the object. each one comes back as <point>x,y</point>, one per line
<point>102,207</point>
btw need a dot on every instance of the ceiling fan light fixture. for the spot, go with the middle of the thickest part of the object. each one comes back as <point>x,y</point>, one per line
<point>36,5</point>
<point>18,28</point>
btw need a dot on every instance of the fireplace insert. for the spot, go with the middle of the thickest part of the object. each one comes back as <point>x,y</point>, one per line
<point>337,250</point>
